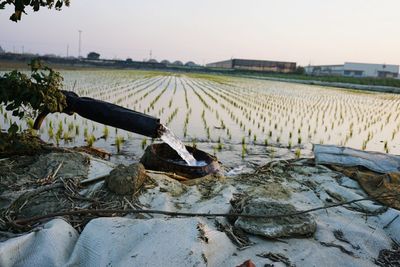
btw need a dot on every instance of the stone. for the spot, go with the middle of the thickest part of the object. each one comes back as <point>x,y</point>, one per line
<point>125,180</point>
<point>299,225</point>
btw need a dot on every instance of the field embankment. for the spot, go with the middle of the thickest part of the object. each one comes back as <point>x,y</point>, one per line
<point>354,86</point>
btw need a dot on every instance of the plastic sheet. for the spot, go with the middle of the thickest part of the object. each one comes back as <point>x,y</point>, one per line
<point>344,156</point>
<point>50,245</point>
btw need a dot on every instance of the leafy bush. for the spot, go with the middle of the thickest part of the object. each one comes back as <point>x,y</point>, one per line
<point>24,95</point>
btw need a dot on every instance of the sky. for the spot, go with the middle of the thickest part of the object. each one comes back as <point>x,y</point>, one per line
<point>302,31</point>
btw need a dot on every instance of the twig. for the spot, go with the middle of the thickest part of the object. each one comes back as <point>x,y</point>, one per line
<point>94,180</point>
<point>171,175</point>
<point>133,206</point>
<point>111,212</point>
<point>241,241</point>
<point>338,234</point>
<point>276,258</point>
<point>389,223</point>
<point>38,191</point>
<point>129,203</point>
<point>342,249</point>
<point>56,171</point>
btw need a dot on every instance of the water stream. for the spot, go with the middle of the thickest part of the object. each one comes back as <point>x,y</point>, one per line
<point>170,138</point>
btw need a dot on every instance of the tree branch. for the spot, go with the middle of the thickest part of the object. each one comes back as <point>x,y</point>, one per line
<point>112,212</point>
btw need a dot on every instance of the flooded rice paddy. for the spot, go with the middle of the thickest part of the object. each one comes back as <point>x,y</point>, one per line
<point>233,118</point>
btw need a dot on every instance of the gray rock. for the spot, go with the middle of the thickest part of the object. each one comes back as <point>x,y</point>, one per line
<point>124,180</point>
<point>298,225</point>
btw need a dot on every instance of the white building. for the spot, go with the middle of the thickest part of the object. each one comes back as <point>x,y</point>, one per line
<point>350,69</point>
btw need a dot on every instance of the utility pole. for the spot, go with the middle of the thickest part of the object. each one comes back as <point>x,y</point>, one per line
<point>80,43</point>
<point>67,50</point>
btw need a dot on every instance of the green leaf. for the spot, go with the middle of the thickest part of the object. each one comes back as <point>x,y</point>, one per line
<point>36,6</point>
<point>15,17</point>
<point>59,4</point>
<point>13,129</point>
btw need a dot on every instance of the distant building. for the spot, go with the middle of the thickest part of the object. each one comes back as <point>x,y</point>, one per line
<point>2,51</point>
<point>328,70</point>
<point>350,69</point>
<point>255,65</point>
<point>93,55</point>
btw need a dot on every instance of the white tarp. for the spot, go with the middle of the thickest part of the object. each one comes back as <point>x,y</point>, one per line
<point>50,245</point>
<point>344,156</point>
<point>162,241</point>
<point>119,242</point>
<point>154,242</point>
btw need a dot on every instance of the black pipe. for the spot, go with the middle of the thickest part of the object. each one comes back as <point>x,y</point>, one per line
<point>112,115</point>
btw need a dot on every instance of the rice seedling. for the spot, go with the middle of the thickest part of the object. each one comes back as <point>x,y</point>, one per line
<point>364,145</point>
<point>30,123</point>
<point>50,133</point>
<point>194,143</point>
<point>60,127</point>
<point>71,127</point>
<point>85,133</point>
<point>144,143</point>
<point>272,153</point>
<point>297,153</point>
<point>105,132</point>
<point>385,147</point>
<point>66,136</point>
<point>90,140</point>
<point>219,145</point>
<point>119,140</point>
<point>244,150</point>
<point>58,140</point>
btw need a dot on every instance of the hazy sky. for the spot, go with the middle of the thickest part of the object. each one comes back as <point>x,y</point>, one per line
<point>303,31</point>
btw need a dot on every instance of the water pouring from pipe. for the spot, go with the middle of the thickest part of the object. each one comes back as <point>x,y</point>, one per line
<point>170,138</point>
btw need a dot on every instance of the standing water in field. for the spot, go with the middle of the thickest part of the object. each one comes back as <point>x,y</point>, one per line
<point>169,137</point>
